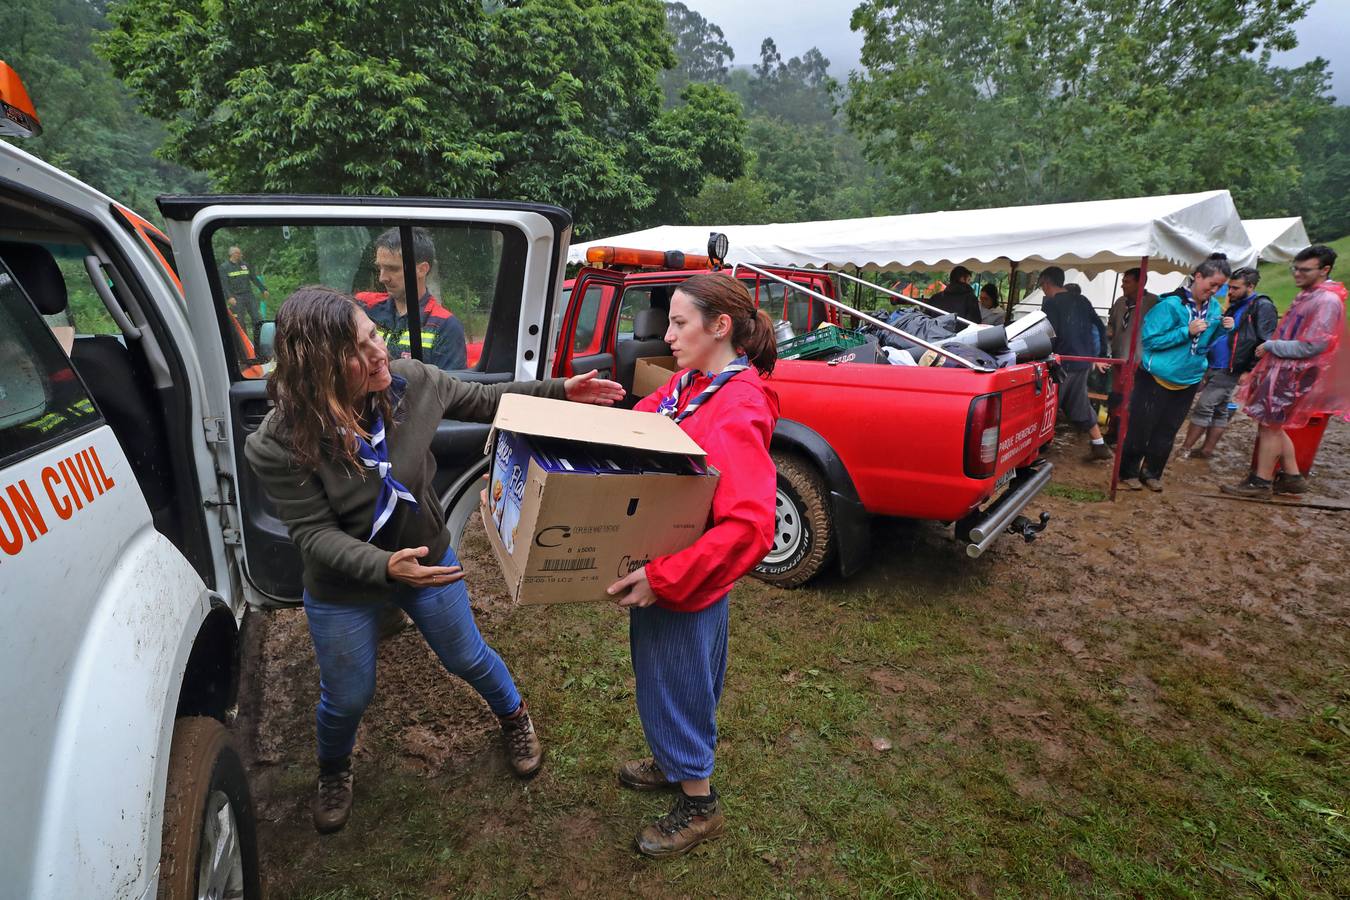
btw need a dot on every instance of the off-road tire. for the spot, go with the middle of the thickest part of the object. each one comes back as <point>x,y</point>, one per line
<point>804,530</point>
<point>203,764</point>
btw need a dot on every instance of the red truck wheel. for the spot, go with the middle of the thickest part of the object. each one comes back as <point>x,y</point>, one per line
<point>803,532</point>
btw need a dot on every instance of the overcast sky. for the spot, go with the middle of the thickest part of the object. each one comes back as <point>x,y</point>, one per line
<point>799,26</point>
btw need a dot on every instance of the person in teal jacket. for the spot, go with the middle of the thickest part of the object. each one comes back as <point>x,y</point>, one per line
<point>1177,335</point>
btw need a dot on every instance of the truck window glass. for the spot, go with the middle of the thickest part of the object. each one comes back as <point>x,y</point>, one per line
<point>635,300</point>
<point>462,271</point>
<point>589,331</point>
<point>42,401</point>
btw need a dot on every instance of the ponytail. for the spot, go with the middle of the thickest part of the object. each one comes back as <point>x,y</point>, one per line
<point>1213,264</point>
<point>751,330</point>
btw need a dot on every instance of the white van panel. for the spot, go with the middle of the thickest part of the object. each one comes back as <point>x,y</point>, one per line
<point>100,612</point>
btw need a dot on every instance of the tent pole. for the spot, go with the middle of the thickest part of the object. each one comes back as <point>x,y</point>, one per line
<point>1128,371</point>
<point>1012,289</point>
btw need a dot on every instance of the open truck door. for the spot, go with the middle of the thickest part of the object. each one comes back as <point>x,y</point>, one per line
<point>493,272</point>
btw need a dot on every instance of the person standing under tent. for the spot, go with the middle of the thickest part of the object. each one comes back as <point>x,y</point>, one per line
<point>1255,317</point>
<point>345,455</point>
<point>678,604</point>
<point>1078,332</point>
<point>1177,335</point>
<point>958,297</point>
<point>1304,370</point>
<point>991,313</point>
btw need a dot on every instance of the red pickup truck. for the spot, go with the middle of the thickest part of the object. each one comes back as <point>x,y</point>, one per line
<point>855,440</point>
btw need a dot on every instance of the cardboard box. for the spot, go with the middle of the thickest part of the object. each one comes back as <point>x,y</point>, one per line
<point>652,373</point>
<point>597,494</point>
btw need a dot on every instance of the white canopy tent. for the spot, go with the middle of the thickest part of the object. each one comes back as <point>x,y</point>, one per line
<point>1174,232</point>
<point>1277,240</point>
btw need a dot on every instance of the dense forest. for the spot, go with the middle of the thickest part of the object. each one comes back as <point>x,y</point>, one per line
<point>634,112</point>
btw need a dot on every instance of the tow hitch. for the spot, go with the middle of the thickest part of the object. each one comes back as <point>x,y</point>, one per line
<point>1027,528</point>
<point>1005,515</point>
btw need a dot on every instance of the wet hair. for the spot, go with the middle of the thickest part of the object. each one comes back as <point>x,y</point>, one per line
<point>1132,273</point>
<point>1325,256</point>
<point>1214,264</point>
<point>1051,275</point>
<point>960,272</point>
<point>990,289</point>
<point>316,412</point>
<point>424,248</point>
<point>751,329</point>
<point>1246,274</point>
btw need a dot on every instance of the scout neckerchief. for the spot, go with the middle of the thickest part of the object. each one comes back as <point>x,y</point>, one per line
<point>374,454</point>
<point>672,402</point>
<point>1197,310</point>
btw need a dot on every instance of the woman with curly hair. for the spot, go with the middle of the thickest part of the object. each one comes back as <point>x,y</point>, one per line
<point>346,457</point>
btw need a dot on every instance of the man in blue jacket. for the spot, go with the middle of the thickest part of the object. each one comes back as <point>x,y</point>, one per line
<point>1078,332</point>
<point>1254,316</point>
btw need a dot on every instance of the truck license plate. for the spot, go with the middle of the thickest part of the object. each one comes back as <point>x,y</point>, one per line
<point>1004,479</point>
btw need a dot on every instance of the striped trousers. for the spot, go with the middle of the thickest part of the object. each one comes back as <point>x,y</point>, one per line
<point>680,661</point>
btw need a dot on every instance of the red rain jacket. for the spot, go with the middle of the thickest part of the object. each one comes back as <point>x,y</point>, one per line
<point>734,427</point>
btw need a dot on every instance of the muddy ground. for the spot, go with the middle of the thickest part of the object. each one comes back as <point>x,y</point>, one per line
<point>1125,591</point>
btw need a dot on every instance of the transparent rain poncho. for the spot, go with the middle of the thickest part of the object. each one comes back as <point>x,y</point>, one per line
<point>1287,392</point>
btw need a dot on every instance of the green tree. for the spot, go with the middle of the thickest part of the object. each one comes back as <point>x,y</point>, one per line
<point>1324,153</point>
<point>553,100</point>
<point>989,102</point>
<point>91,125</point>
<point>701,51</point>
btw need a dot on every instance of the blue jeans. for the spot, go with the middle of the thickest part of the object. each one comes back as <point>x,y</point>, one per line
<point>346,638</point>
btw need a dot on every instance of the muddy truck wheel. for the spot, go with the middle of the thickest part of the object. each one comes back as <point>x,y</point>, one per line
<point>803,532</point>
<point>209,849</point>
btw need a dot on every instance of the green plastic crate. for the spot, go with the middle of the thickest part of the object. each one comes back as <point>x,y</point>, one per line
<point>820,342</point>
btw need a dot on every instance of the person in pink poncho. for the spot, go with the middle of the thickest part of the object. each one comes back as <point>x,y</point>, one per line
<point>1304,370</point>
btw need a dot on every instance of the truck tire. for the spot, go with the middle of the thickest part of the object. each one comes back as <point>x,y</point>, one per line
<point>209,844</point>
<point>803,531</point>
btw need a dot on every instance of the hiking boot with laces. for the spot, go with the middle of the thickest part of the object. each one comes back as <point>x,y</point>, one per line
<point>643,775</point>
<point>1251,486</point>
<point>690,822</point>
<point>1099,452</point>
<point>1290,484</point>
<point>523,752</point>
<point>333,804</point>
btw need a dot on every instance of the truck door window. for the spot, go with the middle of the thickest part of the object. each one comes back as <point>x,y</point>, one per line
<point>42,401</point>
<point>589,331</point>
<point>635,300</point>
<point>461,272</point>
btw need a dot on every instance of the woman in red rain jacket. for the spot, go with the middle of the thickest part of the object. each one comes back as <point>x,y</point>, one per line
<point>678,603</point>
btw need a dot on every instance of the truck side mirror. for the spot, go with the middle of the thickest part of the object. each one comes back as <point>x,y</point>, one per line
<point>267,339</point>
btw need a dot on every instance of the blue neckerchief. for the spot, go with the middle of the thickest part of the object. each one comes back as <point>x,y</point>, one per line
<point>669,405</point>
<point>374,454</point>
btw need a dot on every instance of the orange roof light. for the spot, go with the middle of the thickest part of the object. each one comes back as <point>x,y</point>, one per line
<point>646,259</point>
<point>18,118</point>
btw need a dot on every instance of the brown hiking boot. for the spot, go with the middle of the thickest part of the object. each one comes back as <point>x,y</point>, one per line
<point>333,804</point>
<point>643,775</point>
<point>1290,484</point>
<point>1153,484</point>
<point>1251,486</point>
<point>524,754</point>
<point>1098,452</point>
<point>690,822</point>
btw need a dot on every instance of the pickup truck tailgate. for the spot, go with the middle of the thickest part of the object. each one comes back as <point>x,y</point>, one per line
<point>1028,422</point>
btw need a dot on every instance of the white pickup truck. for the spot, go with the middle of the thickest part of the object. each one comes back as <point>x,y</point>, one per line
<point>133,539</point>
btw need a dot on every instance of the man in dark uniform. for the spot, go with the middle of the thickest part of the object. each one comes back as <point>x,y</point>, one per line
<point>238,282</point>
<point>443,343</point>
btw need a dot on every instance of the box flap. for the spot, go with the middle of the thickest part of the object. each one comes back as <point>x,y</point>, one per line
<point>591,424</point>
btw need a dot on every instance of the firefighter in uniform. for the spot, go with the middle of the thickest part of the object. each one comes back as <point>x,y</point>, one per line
<point>239,281</point>
<point>443,343</point>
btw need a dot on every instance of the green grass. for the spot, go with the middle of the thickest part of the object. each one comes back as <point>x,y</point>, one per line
<point>1076,494</point>
<point>1021,764</point>
<point>1278,283</point>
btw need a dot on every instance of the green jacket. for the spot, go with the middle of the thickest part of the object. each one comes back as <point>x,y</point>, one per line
<point>328,511</point>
